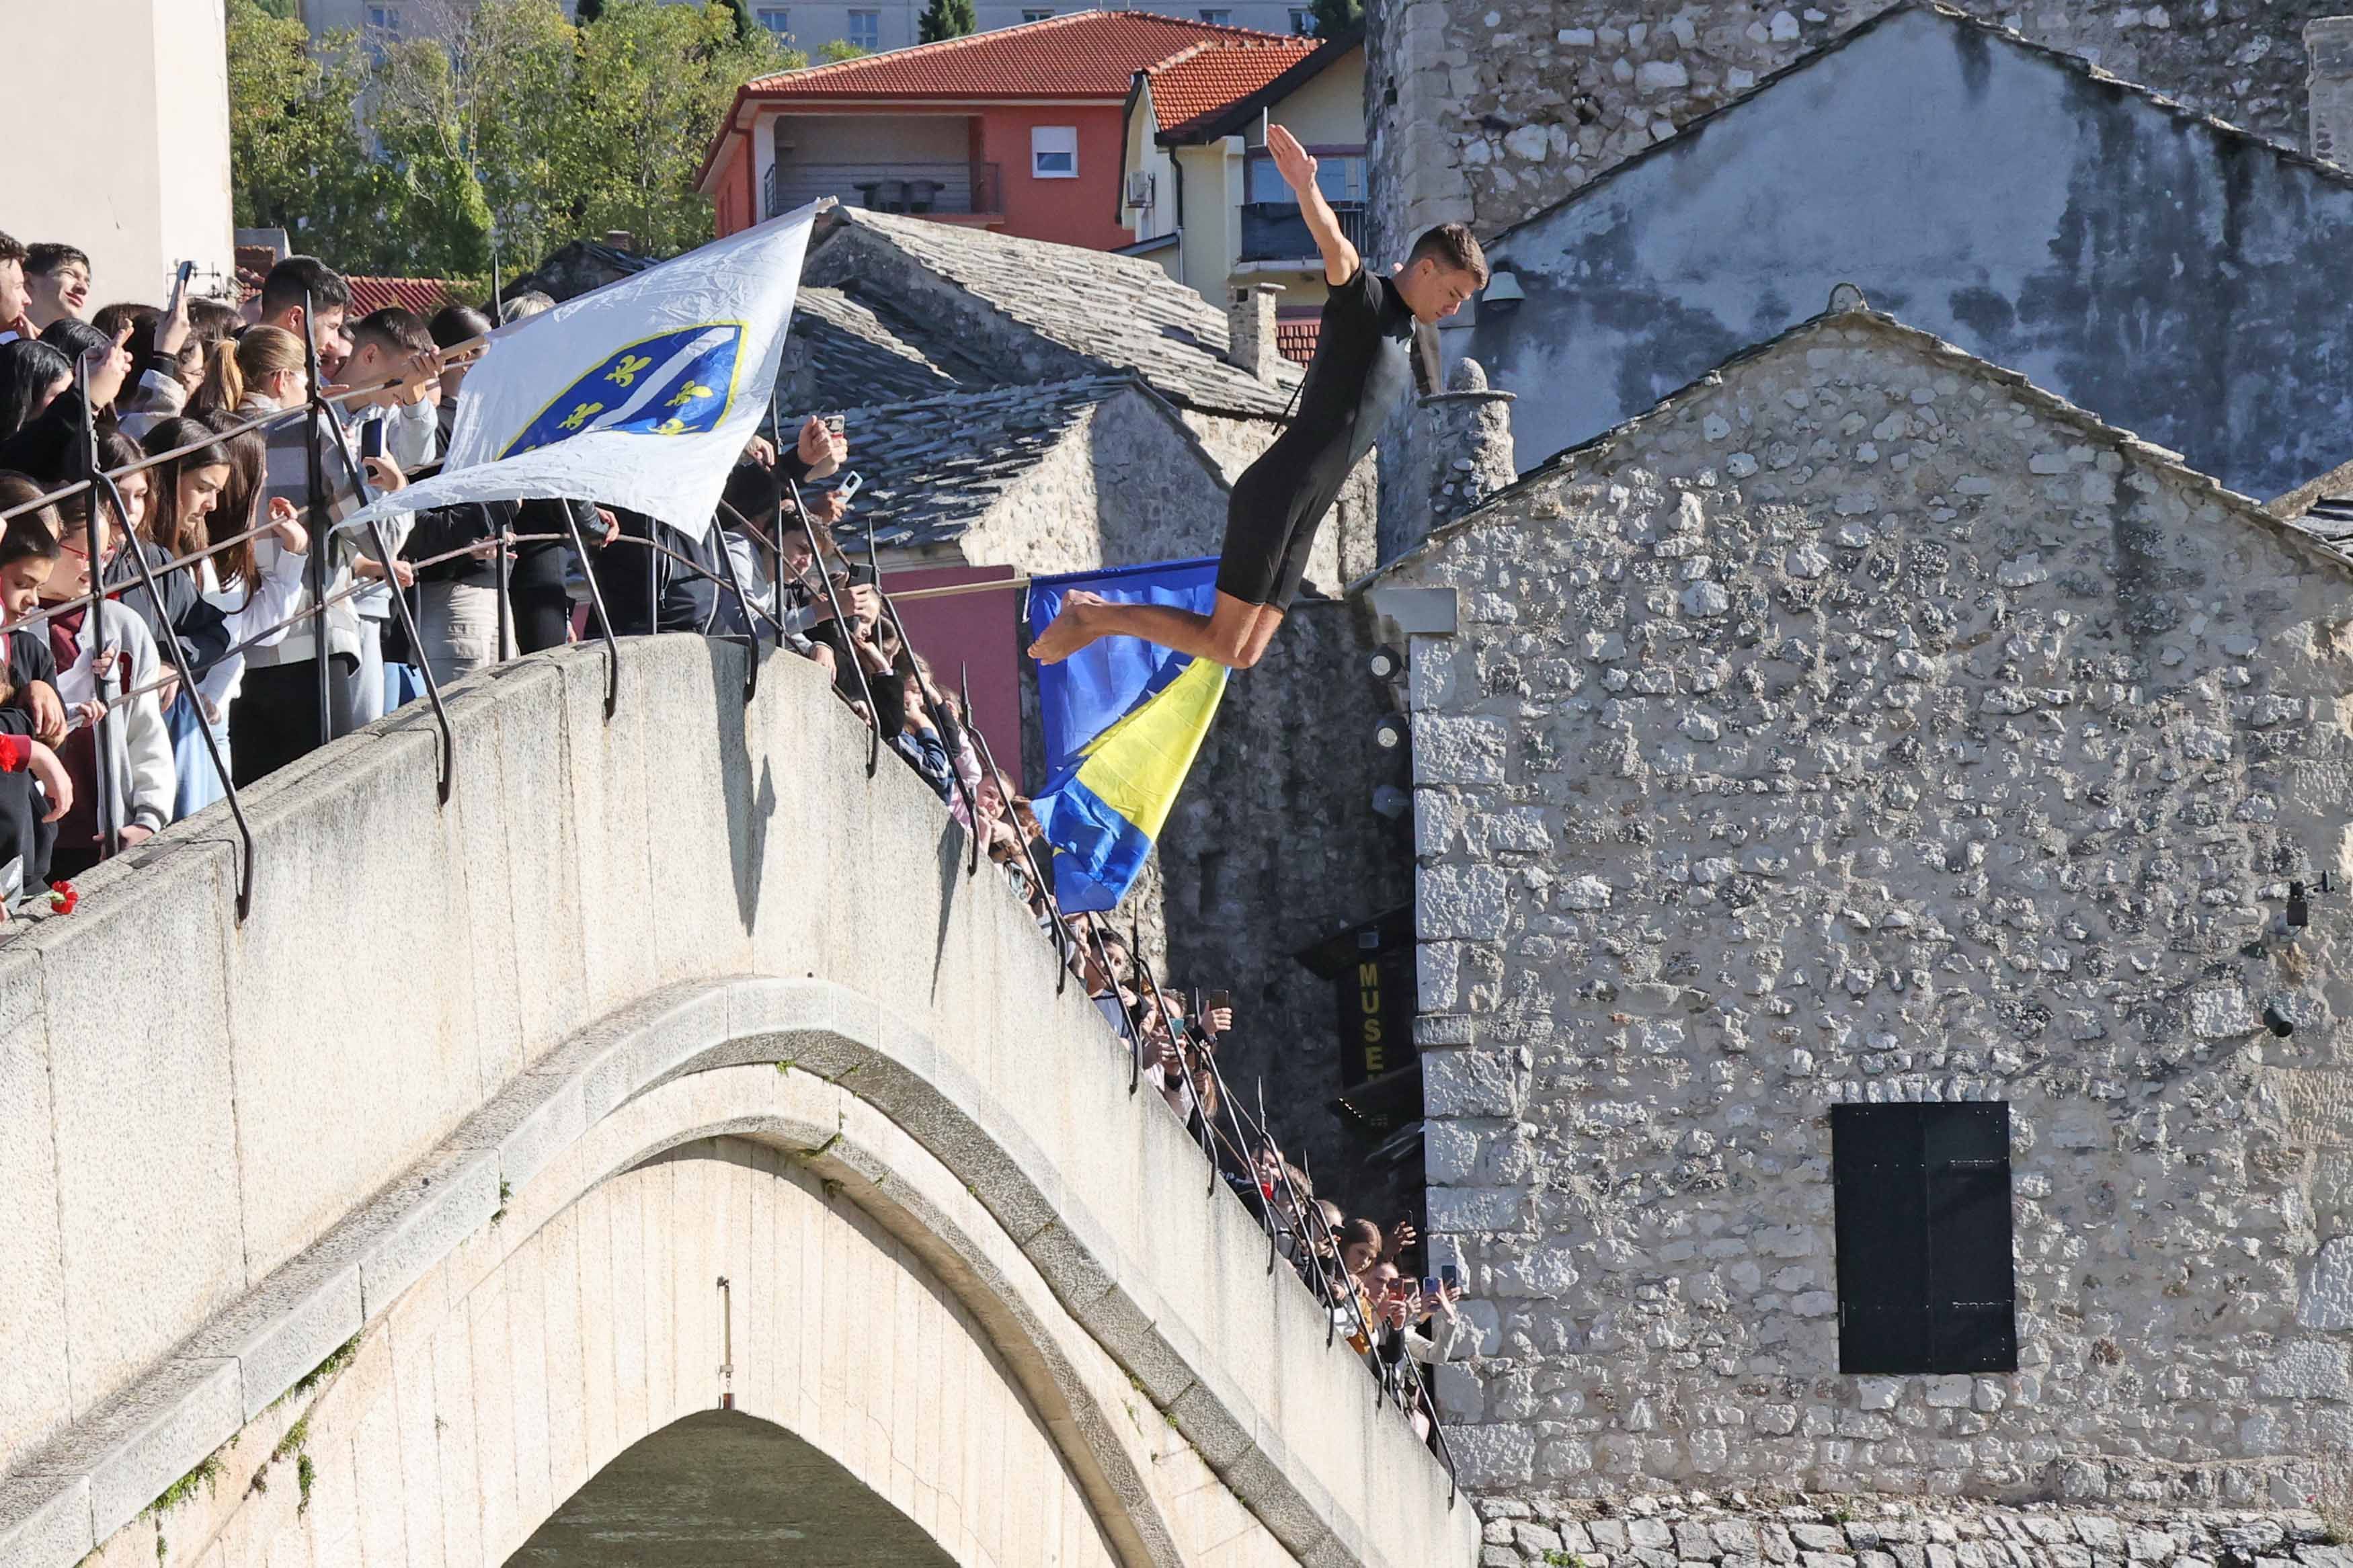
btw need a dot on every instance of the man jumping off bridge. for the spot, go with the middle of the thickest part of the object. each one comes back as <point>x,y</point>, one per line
<point>1362,371</point>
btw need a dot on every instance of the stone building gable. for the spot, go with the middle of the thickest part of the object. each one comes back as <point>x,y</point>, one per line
<point>1863,725</point>
<point>2190,318</point>
<point>1487,111</point>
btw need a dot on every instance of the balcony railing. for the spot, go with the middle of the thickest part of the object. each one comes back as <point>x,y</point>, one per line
<point>1274,231</point>
<point>942,189</point>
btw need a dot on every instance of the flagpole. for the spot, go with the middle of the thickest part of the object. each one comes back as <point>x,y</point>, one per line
<point>909,595</point>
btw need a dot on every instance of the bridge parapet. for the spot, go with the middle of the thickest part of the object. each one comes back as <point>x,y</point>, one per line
<point>232,1146</point>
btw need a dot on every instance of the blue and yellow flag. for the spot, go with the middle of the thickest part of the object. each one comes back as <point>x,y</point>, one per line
<point>1123,720</point>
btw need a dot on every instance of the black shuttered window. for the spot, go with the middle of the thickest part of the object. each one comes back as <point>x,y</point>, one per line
<point>1925,1279</point>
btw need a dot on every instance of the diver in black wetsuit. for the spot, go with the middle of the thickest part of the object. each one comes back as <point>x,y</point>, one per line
<point>1362,371</point>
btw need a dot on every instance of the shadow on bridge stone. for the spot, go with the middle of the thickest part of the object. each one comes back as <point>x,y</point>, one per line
<point>749,810</point>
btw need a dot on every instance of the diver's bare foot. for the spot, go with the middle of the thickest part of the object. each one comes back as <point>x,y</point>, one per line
<point>1073,629</point>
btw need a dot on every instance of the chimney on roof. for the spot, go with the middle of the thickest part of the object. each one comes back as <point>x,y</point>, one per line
<point>1249,330</point>
<point>621,239</point>
<point>2329,42</point>
<point>1465,453</point>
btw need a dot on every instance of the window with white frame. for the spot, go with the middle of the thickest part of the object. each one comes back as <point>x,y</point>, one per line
<point>1054,152</point>
<point>1302,23</point>
<point>775,18</point>
<point>1038,14</point>
<point>384,19</point>
<point>1219,18</point>
<point>866,30</point>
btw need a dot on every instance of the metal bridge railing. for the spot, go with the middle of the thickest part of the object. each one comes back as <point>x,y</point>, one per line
<point>1232,1139</point>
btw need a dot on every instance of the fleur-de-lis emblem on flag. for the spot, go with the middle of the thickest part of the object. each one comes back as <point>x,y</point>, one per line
<point>680,382</point>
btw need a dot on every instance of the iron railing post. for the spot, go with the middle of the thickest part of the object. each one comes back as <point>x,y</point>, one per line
<point>383,548</point>
<point>506,608</point>
<point>1053,909</point>
<point>596,603</point>
<point>322,533</point>
<point>849,637</point>
<point>742,607</point>
<point>179,657</point>
<point>931,703</point>
<point>110,835</point>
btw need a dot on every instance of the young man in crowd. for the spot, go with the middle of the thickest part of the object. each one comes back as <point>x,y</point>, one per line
<point>299,278</point>
<point>1362,371</point>
<point>13,323</point>
<point>57,285</point>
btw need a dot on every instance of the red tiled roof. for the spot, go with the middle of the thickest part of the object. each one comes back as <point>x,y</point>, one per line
<point>422,295</point>
<point>1211,77</point>
<point>1085,54</point>
<point>1297,340</point>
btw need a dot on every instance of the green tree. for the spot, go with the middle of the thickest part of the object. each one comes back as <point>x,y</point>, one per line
<point>462,117</point>
<point>297,159</point>
<point>946,19</point>
<point>841,49</point>
<point>745,24</point>
<point>1333,16</point>
<point>496,122</point>
<point>653,80</point>
<point>588,10</point>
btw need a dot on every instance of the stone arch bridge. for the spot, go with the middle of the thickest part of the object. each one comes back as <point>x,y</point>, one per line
<point>663,1146</point>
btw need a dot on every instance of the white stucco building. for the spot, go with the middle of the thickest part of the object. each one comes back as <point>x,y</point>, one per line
<point>144,184</point>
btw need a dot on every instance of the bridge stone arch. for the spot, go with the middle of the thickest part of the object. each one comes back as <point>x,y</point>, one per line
<point>718,968</point>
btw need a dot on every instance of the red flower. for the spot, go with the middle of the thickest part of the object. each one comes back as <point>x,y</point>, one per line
<point>63,897</point>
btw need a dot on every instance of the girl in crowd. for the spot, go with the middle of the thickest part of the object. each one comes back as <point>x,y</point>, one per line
<point>262,372</point>
<point>32,375</point>
<point>48,445</point>
<point>253,601</point>
<point>170,520</point>
<point>107,657</point>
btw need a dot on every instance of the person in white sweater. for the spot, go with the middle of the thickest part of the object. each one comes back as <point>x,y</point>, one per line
<point>256,584</point>
<point>106,658</point>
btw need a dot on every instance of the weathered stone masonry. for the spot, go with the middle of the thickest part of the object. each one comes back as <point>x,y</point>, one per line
<point>1866,724</point>
<point>1700,1532</point>
<point>1487,111</point>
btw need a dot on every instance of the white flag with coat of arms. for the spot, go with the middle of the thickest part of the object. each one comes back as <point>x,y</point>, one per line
<point>641,394</point>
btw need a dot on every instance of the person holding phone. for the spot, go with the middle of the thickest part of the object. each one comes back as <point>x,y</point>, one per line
<point>1405,1304</point>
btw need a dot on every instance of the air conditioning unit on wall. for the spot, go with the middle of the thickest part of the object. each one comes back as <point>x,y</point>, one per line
<point>1139,188</point>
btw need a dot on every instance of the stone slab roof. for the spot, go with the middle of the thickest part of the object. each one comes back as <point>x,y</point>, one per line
<point>1928,346</point>
<point>935,466</point>
<point>2322,507</point>
<point>1122,314</point>
<point>857,358</point>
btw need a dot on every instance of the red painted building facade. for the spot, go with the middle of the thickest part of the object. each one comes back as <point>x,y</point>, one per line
<point>1017,130</point>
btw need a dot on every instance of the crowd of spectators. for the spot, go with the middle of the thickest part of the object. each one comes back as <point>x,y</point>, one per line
<point>227,583</point>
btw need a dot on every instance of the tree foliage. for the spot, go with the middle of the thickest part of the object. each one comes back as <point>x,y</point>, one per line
<point>492,122</point>
<point>1333,16</point>
<point>841,49</point>
<point>946,19</point>
<point>300,163</point>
